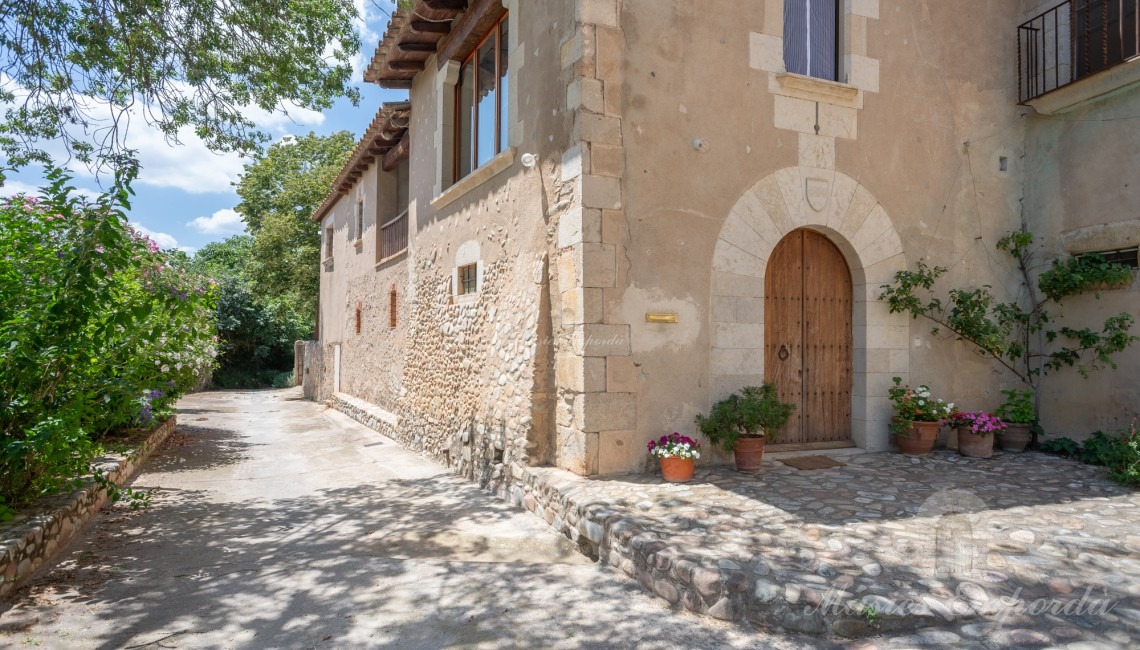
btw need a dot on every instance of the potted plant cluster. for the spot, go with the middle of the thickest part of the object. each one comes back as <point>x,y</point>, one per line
<point>918,417</point>
<point>976,430</point>
<point>744,421</point>
<point>1019,414</point>
<point>677,453</point>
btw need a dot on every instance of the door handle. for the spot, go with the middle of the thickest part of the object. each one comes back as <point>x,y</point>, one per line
<point>783,354</point>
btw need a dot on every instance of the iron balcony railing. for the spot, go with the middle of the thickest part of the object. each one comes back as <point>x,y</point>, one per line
<point>393,237</point>
<point>1073,40</point>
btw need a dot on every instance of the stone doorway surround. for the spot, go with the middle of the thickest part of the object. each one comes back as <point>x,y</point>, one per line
<point>837,206</point>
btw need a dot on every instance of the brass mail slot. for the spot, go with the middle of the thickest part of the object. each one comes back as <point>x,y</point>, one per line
<point>660,318</point>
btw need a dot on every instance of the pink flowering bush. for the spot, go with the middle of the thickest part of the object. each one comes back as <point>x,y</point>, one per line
<point>675,445</point>
<point>979,422</point>
<point>99,334</point>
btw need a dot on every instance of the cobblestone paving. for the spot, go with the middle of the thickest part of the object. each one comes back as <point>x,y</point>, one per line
<point>1018,550</point>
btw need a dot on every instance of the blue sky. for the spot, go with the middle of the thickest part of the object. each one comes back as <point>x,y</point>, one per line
<point>184,197</point>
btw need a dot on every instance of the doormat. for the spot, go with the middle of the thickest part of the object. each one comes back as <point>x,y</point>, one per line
<point>812,462</point>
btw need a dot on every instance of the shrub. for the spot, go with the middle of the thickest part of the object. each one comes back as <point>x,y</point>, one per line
<point>99,334</point>
<point>1120,454</point>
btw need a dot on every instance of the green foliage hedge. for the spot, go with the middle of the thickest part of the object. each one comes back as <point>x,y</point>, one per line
<point>99,334</point>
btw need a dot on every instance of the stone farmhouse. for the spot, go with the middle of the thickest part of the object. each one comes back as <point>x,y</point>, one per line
<point>594,218</point>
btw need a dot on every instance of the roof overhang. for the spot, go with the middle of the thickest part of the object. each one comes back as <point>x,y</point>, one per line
<point>446,29</point>
<point>385,140</point>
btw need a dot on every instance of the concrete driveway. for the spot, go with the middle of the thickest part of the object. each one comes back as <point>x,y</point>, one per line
<point>278,523</point>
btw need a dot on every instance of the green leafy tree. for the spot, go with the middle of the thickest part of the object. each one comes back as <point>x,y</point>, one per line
<point>77,72</point>
<point>279,192</point>
<point>256,332</point>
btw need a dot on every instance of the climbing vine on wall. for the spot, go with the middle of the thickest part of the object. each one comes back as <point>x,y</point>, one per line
<point>1025,335</point>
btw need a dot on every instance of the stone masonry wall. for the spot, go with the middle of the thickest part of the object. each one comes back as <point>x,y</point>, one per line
<point>36,536</point>
<point>468,376</point>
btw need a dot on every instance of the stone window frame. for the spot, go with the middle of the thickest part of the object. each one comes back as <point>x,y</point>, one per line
<point>329,243</point>
<point>857,71</point>
<point>466,255</point>
<point>447,188</point>
<point>358,219</point>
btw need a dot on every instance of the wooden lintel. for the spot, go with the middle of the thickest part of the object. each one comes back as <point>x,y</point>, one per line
<point>428,27</point>
<point>397,153</point>
<point>471,27</point>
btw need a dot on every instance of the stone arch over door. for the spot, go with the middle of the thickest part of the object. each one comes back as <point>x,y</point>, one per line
<point>835,205</point>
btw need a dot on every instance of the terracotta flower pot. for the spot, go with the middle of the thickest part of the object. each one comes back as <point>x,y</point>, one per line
<point>749,454</point>
<point>975,445</point>
<point>676,470</point>
<point>920,439</point>
<point>1015,437</point>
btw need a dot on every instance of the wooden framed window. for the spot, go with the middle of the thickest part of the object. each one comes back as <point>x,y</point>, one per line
<point>328,243</point>
<point>468,279</point>
<point>811,43</point>
<point>481,124</point>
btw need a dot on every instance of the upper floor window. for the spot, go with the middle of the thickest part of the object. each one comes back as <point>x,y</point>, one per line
<point>811,38</point>
<point>481,103</point>
<point>1074,40</point>
<point>358,219</point>
<point>1106,34</point>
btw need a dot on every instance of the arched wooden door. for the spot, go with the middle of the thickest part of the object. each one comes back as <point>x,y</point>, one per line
<point>808,337</point>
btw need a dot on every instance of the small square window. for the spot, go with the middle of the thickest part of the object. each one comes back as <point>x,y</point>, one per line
<point>468,279</point>
<point>1124,256</point>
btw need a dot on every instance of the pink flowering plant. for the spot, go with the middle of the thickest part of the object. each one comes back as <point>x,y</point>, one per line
<point>100,334</point>
<point>915,405</point>
<point>675,445</point>
<point>980,422</point>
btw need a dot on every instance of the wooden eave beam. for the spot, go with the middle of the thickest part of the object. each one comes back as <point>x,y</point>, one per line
<point>397,153</point>
<point>407,65</point>
<point>428,27</point>
<point>416,47</point>
<point>445,5</point>
<point>471,27</point>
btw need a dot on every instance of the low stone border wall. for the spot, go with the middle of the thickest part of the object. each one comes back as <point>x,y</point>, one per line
<point>36,535</point>
<point>701,583</point>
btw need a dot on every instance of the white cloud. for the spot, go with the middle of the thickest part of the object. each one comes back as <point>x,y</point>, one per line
<point>163,240</point>
<point>14,187</point>
<point>190,166</point>
<point>222,222</point>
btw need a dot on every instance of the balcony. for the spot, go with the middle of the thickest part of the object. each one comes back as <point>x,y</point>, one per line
<point>393,238</point>
<point>1075,40</point>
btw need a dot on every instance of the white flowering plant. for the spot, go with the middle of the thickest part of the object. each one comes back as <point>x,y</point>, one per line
<point>675,445</point>
<point>915,405</point>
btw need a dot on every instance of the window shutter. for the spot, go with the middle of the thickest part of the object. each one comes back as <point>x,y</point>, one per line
<point>810,37</point>
<point>822,39</point>
<point>795,36</point>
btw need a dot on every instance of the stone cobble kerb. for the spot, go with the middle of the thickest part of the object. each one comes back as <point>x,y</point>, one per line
<point>886,544</point>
